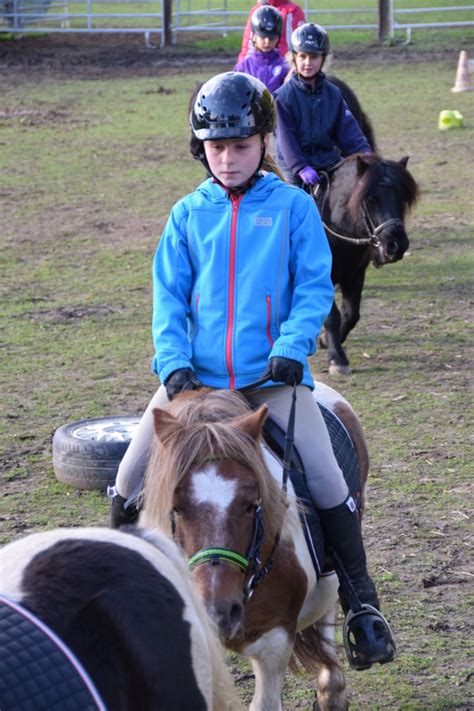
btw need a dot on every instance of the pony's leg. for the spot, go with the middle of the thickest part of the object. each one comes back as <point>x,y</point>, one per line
<point>330,682</point>
<point>270,656</point>
<point>350,304</point>
<point>331,339</point>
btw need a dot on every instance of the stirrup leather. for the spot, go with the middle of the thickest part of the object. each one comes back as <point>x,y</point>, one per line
<point>367,638</point>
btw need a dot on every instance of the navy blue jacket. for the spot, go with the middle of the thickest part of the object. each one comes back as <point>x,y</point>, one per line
<point>315,127</point>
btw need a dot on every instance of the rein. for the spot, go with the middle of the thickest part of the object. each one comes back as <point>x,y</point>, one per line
<point>251,563</point>
<point>373,230</point>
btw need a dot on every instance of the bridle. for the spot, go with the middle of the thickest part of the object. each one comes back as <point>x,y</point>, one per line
<point>251,564</point>
<point>373,231</point>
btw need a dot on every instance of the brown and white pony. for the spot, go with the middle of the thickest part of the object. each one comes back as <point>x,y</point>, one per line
<point>121,607</point>
<point>213,486</point>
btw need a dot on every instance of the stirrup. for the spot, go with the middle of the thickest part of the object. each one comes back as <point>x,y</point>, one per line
<point>367,638</point>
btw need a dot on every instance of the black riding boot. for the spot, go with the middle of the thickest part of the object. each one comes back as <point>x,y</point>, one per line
<point>119,515</point>
<point>367,635</point>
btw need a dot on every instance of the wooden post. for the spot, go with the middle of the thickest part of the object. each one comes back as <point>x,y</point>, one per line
<point>384,19</point>
<point>167,21</point>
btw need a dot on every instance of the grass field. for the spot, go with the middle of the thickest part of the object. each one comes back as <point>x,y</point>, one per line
<point>90,166</point>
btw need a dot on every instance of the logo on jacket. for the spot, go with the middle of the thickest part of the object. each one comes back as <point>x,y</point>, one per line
<point>262,221</point>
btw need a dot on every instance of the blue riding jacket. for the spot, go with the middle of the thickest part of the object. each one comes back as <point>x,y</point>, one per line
<point>238,280</point>
<point>315,126</point>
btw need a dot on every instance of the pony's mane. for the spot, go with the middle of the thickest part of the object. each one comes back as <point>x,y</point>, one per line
<point>209,431</point>
<point>380,170</point>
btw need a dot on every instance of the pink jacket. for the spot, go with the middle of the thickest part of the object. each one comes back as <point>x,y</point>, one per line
<point>293,16</point>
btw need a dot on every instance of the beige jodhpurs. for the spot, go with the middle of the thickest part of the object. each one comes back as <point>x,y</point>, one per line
<point>325,480</point>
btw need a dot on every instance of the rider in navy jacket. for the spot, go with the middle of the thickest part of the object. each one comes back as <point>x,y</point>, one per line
<point>315,127</point>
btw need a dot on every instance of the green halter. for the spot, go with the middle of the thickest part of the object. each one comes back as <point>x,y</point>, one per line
<point>215,555</point>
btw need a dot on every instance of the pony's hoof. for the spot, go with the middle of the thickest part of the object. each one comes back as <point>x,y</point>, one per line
<point>338,369</point>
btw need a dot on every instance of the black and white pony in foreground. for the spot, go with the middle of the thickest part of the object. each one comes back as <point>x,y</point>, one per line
<point>124,606</point>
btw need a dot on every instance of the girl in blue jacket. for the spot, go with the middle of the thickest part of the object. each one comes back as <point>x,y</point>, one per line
<point>242,285</point>
<point>315,126</point>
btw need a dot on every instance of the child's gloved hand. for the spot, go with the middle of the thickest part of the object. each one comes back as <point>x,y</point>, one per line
<point>309,176</point>
<point>181,380</point>
<point>285,370</point>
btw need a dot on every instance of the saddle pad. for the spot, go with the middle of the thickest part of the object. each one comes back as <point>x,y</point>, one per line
<point>344,452</point>
<point>37,671</point>
<point>346,458</point>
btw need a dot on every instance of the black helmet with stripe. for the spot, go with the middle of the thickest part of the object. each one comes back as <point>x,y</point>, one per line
<point>310,38</point>
<point>267,21</point>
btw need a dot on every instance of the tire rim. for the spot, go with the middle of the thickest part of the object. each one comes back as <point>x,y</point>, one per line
<point>107,430</point>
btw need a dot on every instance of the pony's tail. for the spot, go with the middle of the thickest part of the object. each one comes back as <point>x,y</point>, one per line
<point>313,650</point>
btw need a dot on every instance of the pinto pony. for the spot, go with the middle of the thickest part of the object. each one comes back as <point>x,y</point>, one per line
<point>125,607</point>
<point>213,486</point>
<point>363,202</point>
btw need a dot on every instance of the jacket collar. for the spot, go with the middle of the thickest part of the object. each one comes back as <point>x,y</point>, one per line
<point>304,86</point>
<point>259,189</point>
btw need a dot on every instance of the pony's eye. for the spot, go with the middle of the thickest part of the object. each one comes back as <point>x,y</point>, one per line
<point>250,508</point>
<point>177,510</point>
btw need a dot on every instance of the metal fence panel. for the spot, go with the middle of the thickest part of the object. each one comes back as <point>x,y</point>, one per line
<point>209,16</point>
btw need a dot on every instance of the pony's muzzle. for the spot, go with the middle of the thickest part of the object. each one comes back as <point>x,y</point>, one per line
<point>391,247</point>
<point>228,616</point>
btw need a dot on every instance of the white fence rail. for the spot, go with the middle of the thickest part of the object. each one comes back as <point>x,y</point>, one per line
<point>146,17</point>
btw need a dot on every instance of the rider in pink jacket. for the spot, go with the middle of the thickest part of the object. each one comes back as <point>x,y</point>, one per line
<point>293,17</point>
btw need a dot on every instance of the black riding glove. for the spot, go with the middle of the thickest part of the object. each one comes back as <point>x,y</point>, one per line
<point>181,380</point>
<point>285,370</point>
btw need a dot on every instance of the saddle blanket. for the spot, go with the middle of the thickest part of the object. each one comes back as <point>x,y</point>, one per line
<point>37,671</point>
<point>345,454</point>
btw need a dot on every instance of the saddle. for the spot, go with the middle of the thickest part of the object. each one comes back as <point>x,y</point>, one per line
<point>346,457</point>
<point>37,671</point>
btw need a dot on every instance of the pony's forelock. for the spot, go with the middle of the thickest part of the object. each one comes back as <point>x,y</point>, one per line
<point>377,169</point>
<point>207,435</point>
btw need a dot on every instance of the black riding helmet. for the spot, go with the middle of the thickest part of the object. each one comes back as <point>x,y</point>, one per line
<point>267,21</point>
<point>230,105</point>
<point>310,38</point>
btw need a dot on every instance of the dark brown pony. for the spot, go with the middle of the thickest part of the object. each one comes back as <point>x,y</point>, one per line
<point>214,487</point>
<point>363,203</point>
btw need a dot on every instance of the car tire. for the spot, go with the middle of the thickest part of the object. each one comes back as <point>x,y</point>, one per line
<point>87,453</point>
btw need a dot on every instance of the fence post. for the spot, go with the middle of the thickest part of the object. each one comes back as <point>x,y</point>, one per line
<point>384,19</point>
<point>167,20</point>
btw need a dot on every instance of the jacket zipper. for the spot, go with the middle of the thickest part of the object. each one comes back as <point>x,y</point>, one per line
<point>198,296</point>
<point>235,199</point>
<point>269,318</point>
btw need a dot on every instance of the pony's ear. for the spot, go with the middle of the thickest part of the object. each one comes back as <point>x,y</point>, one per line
<point>361,165</point>
<point>252,423</point>
<point>403,161</point>
<point>165,425</point>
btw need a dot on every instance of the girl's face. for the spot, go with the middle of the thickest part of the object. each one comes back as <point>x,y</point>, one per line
<point>233,161</point>
<point>265,44</point>
<point>308,65</point>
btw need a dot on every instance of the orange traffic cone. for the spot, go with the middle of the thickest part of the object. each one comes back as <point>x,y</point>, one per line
<point>463,77</point>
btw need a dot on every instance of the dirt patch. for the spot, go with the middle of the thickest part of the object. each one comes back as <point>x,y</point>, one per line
<point>66,314</point>
<point>121,55</point>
